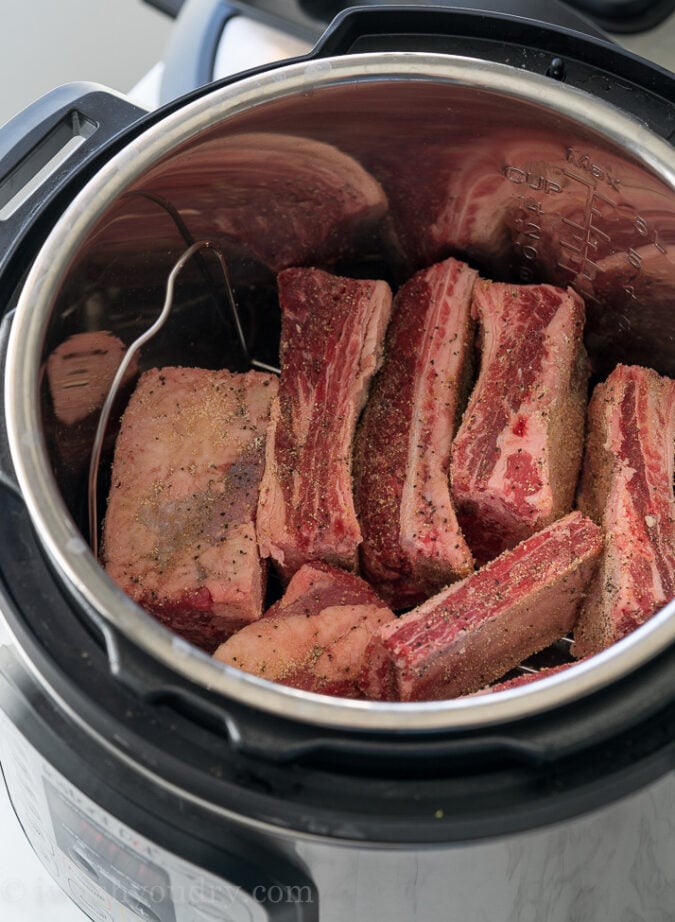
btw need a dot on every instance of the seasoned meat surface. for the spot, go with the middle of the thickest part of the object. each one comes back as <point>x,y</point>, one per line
<point>331,346</point>
<point>412,543</point>
<point>315,637</point>
<point>179,532</point>
<point>627,488</point>
<point>516,457</point>
<point>476,630</point>
<point>316,586</point>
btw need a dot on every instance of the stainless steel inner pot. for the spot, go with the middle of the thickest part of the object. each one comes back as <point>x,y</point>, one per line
<point>529,179</point>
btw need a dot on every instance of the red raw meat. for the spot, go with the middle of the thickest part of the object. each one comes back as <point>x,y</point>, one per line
<point>331,346</point>
<point>627,488</point>
<point>316,586</point>
<point>475,631</point>
<point>315,637</point>
<point>516,457</point>
<point>412,544</point>
<point>179,533</point>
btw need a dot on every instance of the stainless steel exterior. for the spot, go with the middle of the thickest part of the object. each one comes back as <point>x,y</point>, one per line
<point>569,189</point>
<point>611,866</point>
<point>614,865</point>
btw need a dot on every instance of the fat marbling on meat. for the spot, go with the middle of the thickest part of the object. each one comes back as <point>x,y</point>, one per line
<point>316,586</point>
<point>179,533</point>
<point>412,544</point>
<point>315,637</point>
<point>476,630</point>
<point>627,488</point>
<point>517,454</point>
<point>331,346</point>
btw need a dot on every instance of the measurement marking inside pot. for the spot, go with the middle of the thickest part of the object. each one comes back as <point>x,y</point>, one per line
<point>570,223</point>
<point>571,246</point>
<point>586,275</point>
<point>587,237</point>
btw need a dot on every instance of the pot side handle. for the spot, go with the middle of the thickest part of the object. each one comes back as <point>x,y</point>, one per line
<point>272,737</point>
<point>41,150</point>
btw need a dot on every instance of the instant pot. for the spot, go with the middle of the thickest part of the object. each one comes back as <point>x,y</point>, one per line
<point>155,783</point>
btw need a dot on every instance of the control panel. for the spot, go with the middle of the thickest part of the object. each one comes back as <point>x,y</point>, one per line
<point>110,871</point>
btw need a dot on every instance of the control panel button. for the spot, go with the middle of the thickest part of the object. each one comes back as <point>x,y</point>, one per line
<point>82,862</point>
<point>142,910</point>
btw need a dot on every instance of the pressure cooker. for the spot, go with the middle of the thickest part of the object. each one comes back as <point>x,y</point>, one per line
<point>156,783</point>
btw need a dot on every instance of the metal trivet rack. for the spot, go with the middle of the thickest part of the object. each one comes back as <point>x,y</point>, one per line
<point>152,330</point>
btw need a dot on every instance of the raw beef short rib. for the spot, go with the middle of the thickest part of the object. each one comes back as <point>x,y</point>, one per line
<point>331,346</point>
<point>477,630</point>
<point>627,488</point>
<point>179,532</point>
<point>316,586</point>
<point>517,454</point>
<point>315,637</point>
<point>412,544</point>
